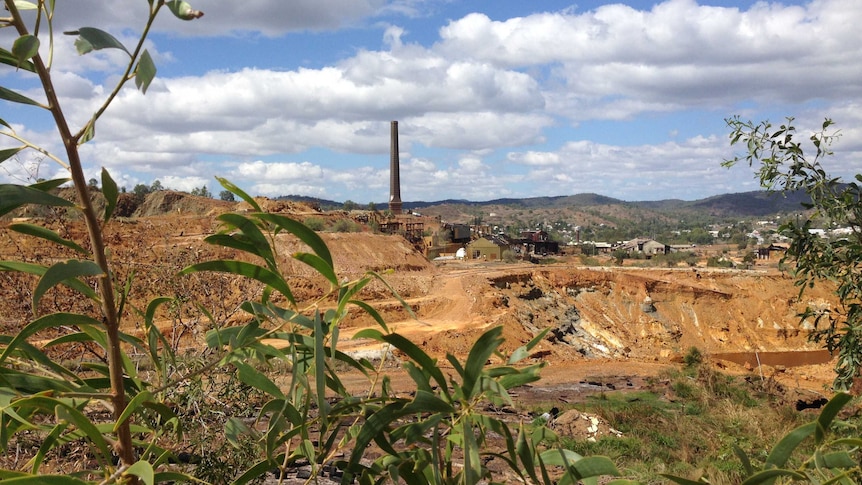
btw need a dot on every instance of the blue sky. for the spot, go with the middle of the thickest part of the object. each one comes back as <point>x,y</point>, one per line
<point>494,99</point>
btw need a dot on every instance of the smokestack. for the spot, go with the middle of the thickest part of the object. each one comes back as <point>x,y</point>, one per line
<point>394,172</point>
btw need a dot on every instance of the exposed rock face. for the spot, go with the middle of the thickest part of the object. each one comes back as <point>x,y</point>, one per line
<point>656,313</point>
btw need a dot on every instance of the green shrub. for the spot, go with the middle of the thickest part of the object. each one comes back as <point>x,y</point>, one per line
<point>315,223</point>
<point>718,262</point>
<point>344,225</point>
<point>693,358</point>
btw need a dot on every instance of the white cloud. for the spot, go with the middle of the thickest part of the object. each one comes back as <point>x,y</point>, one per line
<point>621,61</point>
<point>220,17</point>
<point>186,184</point>
<point>278,172</point>
<point>492,108</point>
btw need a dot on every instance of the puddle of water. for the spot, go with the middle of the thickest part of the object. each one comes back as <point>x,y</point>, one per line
<point>787,359</point>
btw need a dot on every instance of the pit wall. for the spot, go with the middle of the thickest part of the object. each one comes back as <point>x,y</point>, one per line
<point>656,314</point>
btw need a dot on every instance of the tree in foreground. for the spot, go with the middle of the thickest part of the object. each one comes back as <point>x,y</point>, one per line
<point>785,162</point>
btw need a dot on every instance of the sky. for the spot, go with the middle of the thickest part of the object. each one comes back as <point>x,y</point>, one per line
<point>493,98</point>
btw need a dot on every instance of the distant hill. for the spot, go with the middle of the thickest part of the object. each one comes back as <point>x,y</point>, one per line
<point>323,204</point>
<point>755,203</point>
<point>758,203</point>
<point>743,204</point>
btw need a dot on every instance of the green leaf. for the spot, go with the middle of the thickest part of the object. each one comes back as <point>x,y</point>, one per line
<point>476,359</point>
<point>559,457</point>
<point>25,5</point>
<point>25,48</point>
<point>46,234</point>
<point>61,272</point>
<point>782,451</point>
<point>306,235</point>
<point>834,460</point>
<point>241,268</point>
<point>595,466</point>
<point>53,320</point>
<point>183,11</point>
<point>251,239</point>
<point>143,470</point>
<point>31,384</point>
<point>525,453</point>
<point>9,153</point>
<point>14,196</point>
<point>524,351</point>
<point>769,476</point>
<point>320,369</point>
<point>371,311</point>
<point>48,443</point>
<point>428,402</point>
<point>242,195</point>
<point>133,406</point>
<point>234,430</point>
<point>10,59</point>
<point>145,72</point>
<point>67,413</point>
<point>38,270</point>
<point>89,132</point>
<point>681,480</point>
<point>258,470</point>
<point>44,480</point>
<point>14,97</point>
<point>38,356</point>
<point>419,356</point>
<point>318,264</point>
<point>743,458</point>
<point>154,335</point>
<point>524,376</point>
<point>47,185</point>
<point>173,477</point>
<point>827,415</point>
<point>251,376</point>
<point>583,467</point>
<point>90,39</point>
<point>109,190</point>
<point>472,465</point>
<point>374,426</point>
<point>854,442</point>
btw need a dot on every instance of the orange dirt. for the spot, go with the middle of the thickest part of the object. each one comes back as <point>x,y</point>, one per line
<point>605,323</point>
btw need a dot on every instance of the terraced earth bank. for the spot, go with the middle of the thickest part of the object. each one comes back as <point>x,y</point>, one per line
<point>605,322</point>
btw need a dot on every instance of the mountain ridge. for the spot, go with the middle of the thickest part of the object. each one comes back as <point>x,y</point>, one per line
<point>752,203</point>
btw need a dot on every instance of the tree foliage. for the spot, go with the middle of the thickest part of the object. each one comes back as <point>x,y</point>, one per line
<point>202,191</point>
<point>24,397</point>
<point>789,162</point>
<point>226,195</point>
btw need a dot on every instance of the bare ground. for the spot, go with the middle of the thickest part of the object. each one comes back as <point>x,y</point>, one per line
<point>604,321</point>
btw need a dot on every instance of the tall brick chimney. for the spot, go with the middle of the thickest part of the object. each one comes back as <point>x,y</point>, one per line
<point>394,172</point>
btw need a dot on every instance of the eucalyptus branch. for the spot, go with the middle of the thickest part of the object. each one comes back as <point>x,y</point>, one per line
<point>117,475</point>
<point>49,18</point>
<point>127,73</point>
<point>29,365</point>
<point>37,148</point>
<point>124,444</point>
<point>220,359</point>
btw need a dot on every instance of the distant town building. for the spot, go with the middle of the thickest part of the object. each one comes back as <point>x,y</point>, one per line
<point>650,247</point>
<point>538,242</point>
<point>488,247</point>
